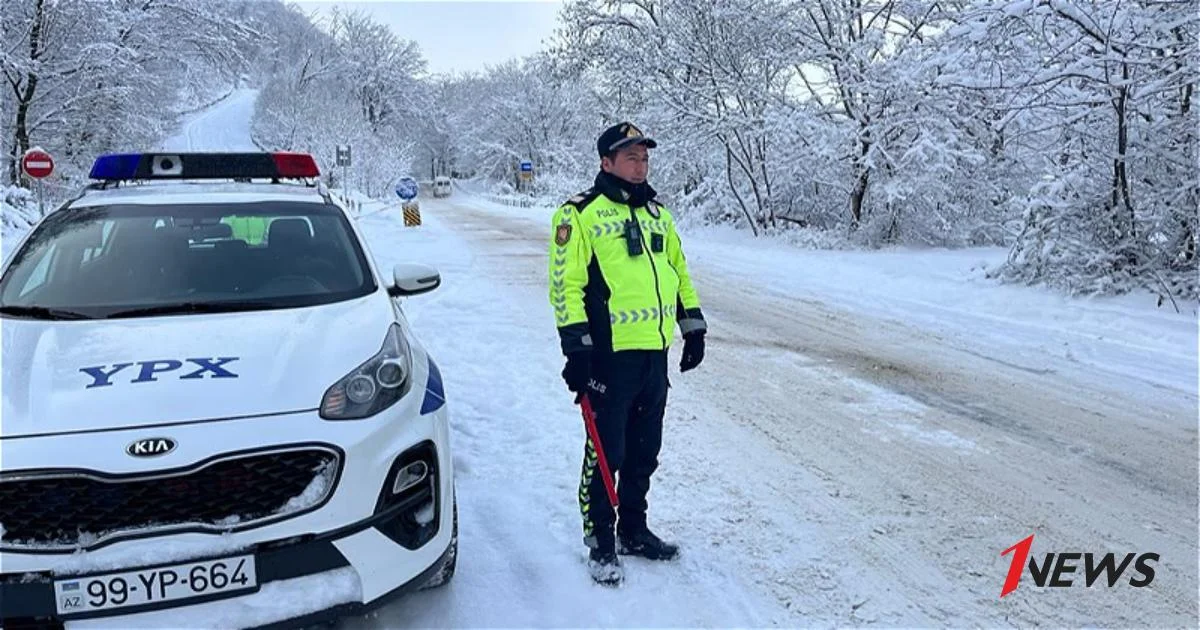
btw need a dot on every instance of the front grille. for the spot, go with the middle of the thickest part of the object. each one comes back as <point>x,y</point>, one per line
<point>79,510</point>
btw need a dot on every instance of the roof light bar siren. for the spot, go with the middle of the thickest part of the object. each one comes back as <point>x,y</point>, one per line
<point>115,166</point>
<point>139,166</point>
<point>295,165</point>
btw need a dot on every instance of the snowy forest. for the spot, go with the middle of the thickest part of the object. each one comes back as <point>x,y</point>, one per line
<point>1062,129</point>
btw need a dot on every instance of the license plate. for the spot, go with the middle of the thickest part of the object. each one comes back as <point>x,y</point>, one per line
<point>153,586</point>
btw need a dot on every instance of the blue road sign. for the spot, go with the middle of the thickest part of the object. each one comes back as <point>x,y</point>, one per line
<point>407,188</point>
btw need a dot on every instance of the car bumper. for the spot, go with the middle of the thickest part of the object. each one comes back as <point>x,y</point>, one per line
<point>299,585</point>
<point>362,549</point>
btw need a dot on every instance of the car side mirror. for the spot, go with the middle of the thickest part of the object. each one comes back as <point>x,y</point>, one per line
<point>413,279</point>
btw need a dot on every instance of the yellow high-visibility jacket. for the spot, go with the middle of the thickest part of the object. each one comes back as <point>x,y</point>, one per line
<point>607,299</point>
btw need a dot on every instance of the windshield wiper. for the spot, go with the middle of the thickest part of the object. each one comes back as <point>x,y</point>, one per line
<point>195,307</point>
<point>42,312</point>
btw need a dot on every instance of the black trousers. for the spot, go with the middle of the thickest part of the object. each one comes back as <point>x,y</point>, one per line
<point>629,396</point>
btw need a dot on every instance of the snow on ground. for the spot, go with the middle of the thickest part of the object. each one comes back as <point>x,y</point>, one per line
<point>519,443</point>
<point>18,211</point>
<point>865,438</point>
<point>946,291</point>
<point>223,127</point>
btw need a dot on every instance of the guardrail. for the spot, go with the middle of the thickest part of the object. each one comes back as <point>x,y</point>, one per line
<point>516,202</point>
<point>354,205</point>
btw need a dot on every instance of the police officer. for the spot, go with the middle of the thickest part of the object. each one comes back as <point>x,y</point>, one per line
<point>619,286</point>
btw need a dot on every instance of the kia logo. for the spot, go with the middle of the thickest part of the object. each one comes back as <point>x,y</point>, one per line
<point>151,447</point>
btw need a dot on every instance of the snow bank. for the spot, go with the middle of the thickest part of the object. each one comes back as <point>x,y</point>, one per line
<point>18,209</point>
<point>18,212</point>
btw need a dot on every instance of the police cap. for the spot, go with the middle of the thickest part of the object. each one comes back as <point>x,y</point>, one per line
<point>620,136</point>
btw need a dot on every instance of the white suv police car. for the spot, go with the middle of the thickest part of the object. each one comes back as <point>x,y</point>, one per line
<point>214,410</point>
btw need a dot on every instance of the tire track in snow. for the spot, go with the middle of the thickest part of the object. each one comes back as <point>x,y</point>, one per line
<point>225,126</point>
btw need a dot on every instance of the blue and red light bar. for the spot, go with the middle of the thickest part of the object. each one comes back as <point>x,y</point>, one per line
<point>137,166</point>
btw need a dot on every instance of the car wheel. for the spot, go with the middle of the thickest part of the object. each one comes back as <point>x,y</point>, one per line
<point>447,572</point>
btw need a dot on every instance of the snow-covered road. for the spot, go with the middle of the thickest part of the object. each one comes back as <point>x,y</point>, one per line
<point>823,467</point>
<point>223,126</point>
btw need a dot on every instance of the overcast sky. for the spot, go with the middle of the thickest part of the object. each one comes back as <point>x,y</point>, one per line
<point>461,36</point>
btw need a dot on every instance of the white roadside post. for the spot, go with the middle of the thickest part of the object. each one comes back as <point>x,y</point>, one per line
<point>343,160</point>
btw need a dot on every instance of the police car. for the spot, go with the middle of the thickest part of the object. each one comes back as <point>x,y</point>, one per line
<point>214,410</point>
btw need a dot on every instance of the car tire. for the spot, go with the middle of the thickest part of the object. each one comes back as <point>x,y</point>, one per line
<point>442,577</point>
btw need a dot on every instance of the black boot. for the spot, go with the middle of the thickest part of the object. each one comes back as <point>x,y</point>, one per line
<point>603,563</point>
<point>605,567</point>
<point>644,543</point>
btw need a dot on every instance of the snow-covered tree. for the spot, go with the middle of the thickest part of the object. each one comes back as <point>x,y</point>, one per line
<point>706,72</point>
<point>346,80</point>
<point>1106,89</point>
<point>521,111</point>
<point>80,78</point>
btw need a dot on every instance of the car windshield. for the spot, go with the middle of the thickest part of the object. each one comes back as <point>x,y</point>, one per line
<point>140,260</point>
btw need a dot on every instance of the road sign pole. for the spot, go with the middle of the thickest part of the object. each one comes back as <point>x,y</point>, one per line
<point>41,197</point>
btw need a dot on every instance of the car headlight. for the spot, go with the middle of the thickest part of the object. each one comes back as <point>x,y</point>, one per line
<point>373,386</point>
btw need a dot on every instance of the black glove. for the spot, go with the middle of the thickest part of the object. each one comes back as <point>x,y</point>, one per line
<point>693,350</point>
<point>578,370</point>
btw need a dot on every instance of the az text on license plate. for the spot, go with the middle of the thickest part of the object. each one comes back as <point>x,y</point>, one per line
<point>153,586</point>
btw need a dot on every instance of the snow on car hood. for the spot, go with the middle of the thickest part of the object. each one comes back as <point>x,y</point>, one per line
<point>62,376</point>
